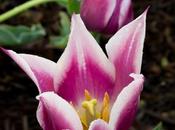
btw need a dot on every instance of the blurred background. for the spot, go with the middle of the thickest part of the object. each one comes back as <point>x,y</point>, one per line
<point>17,92</point>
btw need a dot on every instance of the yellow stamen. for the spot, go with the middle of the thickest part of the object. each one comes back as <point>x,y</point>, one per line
<point>105,108</point>
<point>90,106</point>
<point>92,111</point>
<point>87,95</point>
<point>84,121</point>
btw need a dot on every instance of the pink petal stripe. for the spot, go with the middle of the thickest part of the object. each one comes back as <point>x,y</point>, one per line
<point>83,65</point>
<point>99,125</point>
<point>122,14</point>
<point>39,69</point>
<point>124,108</point>
<point>125,50</point>
<point>54,113</point>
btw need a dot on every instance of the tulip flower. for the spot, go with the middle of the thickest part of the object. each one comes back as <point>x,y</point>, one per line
<point>106,16</point>
<point>85,90</point>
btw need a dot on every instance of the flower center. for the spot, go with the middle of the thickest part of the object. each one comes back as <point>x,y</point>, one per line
<point>94,110</point>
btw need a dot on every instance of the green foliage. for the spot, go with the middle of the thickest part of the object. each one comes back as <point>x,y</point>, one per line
<point>19,35</point>
<point>159,127</point>
<point>61,40</point>
<point>65,23</point>
<point>73,6</point>
<point>62,2</point>
<point>11,35</point>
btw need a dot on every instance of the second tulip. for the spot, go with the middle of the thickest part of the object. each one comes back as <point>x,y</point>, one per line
<point>106,16</point>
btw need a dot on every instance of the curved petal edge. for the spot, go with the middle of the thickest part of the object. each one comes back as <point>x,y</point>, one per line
<point>125,50</point>
<point>54,113</point>
<point>125,106</point>
<point>39,69</point>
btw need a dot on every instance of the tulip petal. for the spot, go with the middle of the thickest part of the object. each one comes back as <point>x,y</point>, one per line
<point>96,13</point>
<point>125,51</point>
<point>83,66</point>
<point>124,108</point>
<point>122,14</point>
<point>54,113</point>
<point>99,125</point>
<point>39,69</point>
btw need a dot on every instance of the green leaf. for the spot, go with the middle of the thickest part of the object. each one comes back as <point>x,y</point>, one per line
<point>73,6</point>
<point>159,127</point>
<point>59,41</point>
<point>65,23</point>
<point>19,35</point>
<point>63,3</point>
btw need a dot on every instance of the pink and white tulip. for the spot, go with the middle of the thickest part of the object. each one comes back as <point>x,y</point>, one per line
<point>106,16</point>
<point>85,90</point>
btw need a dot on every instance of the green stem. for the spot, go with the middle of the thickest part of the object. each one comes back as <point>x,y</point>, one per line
<point>22,8</point>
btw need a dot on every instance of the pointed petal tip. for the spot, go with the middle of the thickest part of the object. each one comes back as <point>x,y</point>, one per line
<point>35,67</point>
<point>76,24</point>
<point>85,61</point>
<point>21,62</point>
<point>74,16</point>
<point>147,9</point>
<point>44,94</point>
<point>125,48</point>
<point>1,48</point>
<point>144,14</point>
<point>137,76</point>
<point>75,19</point>
<point>138,79</point>
<point>37,97</point>
<point>4,50</point>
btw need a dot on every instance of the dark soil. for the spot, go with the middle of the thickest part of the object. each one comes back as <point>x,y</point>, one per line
<point>17,92</point>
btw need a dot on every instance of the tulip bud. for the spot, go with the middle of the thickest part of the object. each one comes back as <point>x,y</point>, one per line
<point>106,16</point>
